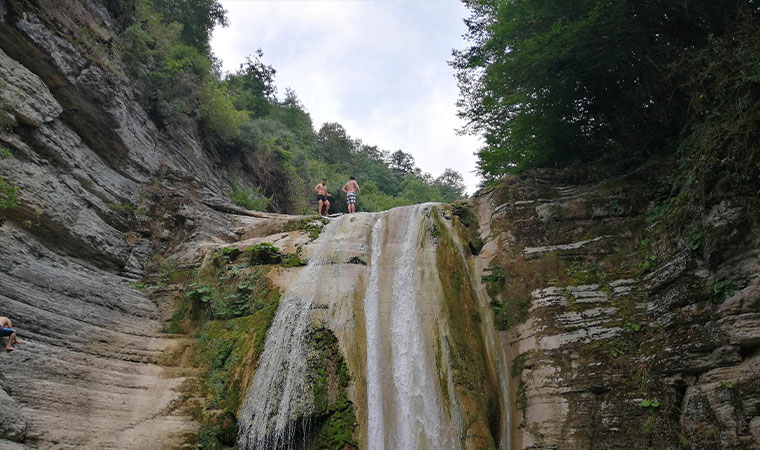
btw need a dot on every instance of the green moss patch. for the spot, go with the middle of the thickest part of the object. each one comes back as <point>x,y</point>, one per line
<point>474,381</point>
<point>469,229</point>
<point>312,225</point>
<point>227,308</point>
<point>334,419</point>
<point>266,253</point>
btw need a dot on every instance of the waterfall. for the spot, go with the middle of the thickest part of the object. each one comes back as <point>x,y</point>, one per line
<point>400,294</point>
<point>419,416</point>
<point>375,419</point>
<point>404,408</point>
<point>280,398</point>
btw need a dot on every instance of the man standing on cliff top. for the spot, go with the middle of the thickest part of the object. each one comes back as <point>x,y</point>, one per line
<point>6,329</point>
<point>322,195</point>
<point>351,189</point>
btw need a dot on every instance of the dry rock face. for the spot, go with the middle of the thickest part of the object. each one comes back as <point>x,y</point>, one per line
<point>102,190</point>
<point>618,342</point>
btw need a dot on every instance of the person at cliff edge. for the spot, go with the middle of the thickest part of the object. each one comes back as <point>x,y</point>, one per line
<point>6,329</point>
<point>322,195</point>
<point>351,189</point>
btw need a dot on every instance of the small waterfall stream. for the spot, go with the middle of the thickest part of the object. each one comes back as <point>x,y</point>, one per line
<point>399,293</point>
<point>280,397</point>
<point>375,416</point>
<point>419,418</point>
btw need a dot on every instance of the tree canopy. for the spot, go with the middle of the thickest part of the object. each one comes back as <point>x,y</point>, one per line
<point>551,82</point>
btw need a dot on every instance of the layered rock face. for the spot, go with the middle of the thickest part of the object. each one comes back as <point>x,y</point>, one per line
<point>626,328</point>
<point>102,190</point>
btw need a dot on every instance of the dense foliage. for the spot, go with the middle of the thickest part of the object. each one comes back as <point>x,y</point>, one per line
<point>550,83</point>
<point>165,45</point>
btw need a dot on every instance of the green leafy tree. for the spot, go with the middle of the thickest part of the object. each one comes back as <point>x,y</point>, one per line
<point>402,163</point>
<point>292,113</point>
<point>552,82</point>
<point>198,19</point>
<point>253,85</point>
<point>219,112</point>
<point>451,185</point>
<point>335,146</point>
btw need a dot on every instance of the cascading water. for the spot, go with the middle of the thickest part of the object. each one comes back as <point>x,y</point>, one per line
<point>375,419</point>
<point>404,409</point>
<point>280,398</point>
<point>419,416</point>
<point>400,294</point>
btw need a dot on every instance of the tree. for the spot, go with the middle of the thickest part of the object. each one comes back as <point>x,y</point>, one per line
<point>451,185</point>
<point>402,163</point>
<point>291,112</point>
<point>334,146</point>
<point>198,19</point>
<point>553,82</point>
<point>253,85</point>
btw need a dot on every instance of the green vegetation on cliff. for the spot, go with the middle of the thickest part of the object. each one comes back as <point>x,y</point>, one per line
<point>227,306</point>
<point>165,47</point>
<point>334,418</point>
<point>473,376</point>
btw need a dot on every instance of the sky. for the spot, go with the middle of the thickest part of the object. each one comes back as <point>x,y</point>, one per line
<point>377,67</point>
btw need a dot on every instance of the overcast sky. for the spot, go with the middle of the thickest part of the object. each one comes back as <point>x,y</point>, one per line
<point>378,67</point>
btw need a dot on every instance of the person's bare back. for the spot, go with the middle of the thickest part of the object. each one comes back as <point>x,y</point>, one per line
<point>351,189</point>
<point>351,186</point>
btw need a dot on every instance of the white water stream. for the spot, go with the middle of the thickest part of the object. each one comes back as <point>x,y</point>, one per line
<point>404,408</point>
<point>419,417</point>
<point>280,395</point>
<point>376,419</point>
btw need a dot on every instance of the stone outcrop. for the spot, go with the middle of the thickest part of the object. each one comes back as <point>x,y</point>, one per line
<point>618,343</point>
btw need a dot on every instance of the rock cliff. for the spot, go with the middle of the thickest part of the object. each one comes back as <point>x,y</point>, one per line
<point>104,194</point>
<point>629,323</point>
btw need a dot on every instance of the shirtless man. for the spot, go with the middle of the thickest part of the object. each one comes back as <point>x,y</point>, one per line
<point>6,329</point>
<point>351,189</point>
<point>322,195</point>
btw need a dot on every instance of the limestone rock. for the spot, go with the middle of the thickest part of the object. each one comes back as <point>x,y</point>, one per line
<point>12,423</point>
<point>594,346</point>
<point>90,164</point>
<point>25,94</point>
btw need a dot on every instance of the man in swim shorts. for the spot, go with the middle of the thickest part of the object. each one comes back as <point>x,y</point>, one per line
<point>322,195</point>
<point>6,329</point>
<point>351,189</point>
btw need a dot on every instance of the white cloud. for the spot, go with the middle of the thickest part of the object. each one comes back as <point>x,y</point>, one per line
<point>377,67</point>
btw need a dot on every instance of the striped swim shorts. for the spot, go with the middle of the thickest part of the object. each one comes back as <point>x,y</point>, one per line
<point>351,197</point>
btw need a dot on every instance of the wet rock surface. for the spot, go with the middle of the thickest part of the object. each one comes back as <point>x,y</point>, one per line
<point>619,316</point>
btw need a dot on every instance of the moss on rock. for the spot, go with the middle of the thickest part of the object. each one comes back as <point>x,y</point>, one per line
<point>474,380</point>
<point>334,418</point>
